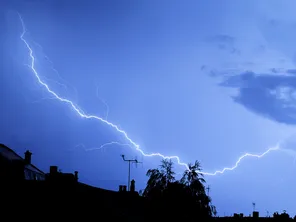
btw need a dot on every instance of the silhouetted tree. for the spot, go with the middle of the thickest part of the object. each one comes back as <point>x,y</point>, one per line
<point>186,196</point>
<point>214,210</point>
<point>159,179</point>
<point>193,174</point>
<point>167,171</point>
<point>193,179</point>
<point>281,217</point>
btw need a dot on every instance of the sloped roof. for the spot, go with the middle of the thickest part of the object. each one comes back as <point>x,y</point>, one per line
<point>9,154</point>
<point>33,168</point>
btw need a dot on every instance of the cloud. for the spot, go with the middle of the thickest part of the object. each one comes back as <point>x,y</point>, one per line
<point>272,96</point>
<point>258,62</point>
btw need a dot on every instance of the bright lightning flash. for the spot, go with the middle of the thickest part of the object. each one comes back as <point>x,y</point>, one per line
<point>240,159</point>
<point>122,132</point>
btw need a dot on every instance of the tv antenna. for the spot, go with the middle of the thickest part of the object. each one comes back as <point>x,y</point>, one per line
<point>129,168</point>
<point>254,206</point>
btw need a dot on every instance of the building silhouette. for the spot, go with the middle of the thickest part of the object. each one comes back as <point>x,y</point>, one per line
<point>15,168</point>
<point>57,176</point>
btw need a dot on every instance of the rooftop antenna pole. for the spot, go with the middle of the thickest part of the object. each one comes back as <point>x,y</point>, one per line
<point>129,169</point>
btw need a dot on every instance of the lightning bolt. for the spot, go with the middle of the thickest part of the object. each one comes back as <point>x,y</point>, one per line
<point>239,160</point>
<point>78,110</point>
<point>55,71</point>
<point>115,127</point>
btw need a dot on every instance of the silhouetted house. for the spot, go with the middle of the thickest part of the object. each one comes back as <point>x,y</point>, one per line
<point>56,176</point>
<point>15,168</point>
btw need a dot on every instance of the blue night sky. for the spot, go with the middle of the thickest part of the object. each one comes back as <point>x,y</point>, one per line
<point>207,80</point>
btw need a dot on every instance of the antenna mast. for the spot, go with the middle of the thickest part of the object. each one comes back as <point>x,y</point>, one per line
<point>254,206</point>
<point>129,169</point>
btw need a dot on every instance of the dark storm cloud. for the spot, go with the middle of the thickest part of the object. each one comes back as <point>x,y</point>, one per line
<point>272,96</point>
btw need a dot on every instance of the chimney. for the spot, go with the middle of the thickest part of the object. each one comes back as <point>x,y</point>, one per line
<point>255,214</point>
<point>76,175</point>
<point>53,170</point>
<point>28,155</point>
<point>133,188</point>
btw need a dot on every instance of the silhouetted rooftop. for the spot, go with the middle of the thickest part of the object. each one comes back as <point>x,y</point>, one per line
<point>9,154</point>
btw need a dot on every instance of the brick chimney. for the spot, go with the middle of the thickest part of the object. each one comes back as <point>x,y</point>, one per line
<point>28,155</point>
